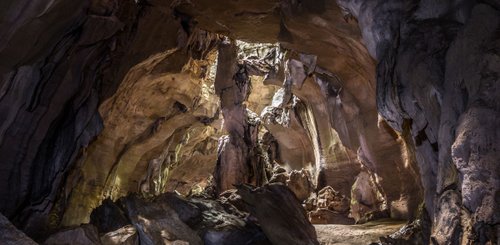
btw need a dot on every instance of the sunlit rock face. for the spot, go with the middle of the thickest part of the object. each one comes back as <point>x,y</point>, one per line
<point>197,155</point>
<point>391,103</point>
<point>144,123</point>
<point>54,81</point>
<point>336,115</point>
<point>367,201</point>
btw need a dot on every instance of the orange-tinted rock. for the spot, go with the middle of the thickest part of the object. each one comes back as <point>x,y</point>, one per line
<point>300,184</point>
<point>366,198</point>
<point>328,207</point>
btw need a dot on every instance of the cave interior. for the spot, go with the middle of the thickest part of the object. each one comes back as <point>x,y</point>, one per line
<point>234,122</point>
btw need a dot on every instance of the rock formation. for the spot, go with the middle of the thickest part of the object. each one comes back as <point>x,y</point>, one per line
<point>236,161</point>
<point>280,214</point>
<point>165,219</point>
<point>392,105</point>
<point>329,207</point>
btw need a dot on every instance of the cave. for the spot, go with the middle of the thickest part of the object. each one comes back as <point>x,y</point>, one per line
<point>250,122</point>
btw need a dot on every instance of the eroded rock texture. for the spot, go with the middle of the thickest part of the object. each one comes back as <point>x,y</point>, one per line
<point>435,79</point>
<point>390,103</point>
<point>53,81</point>
<point>237,162</point>
<point>52,54</point>
<point>329,207</point>
<point>136,147</point>
<point>165,219</point>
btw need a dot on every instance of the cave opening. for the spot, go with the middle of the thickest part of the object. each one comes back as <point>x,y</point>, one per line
<point>249,122</point>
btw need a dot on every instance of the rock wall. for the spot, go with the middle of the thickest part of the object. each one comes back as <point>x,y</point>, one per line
<point>144,122</point>
<point>52,55</point>
<point>237,162</point>
<point>60,61</point>
<point>437,80</point>
<point>97,99</point>
<point>338,100</point>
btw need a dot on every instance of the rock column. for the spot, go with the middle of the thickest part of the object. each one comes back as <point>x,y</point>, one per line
<point>236,159</point>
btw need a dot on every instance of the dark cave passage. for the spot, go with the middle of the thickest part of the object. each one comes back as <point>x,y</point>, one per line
<point>249,122</point>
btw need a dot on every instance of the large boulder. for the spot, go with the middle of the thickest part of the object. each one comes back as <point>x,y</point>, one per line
<point>174,219</point>
<point>367,203</point>
<point>157,222</point>
<point>280,214</point>
<point>108,217</point>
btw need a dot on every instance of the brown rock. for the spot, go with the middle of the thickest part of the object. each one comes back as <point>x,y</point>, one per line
<point>158,222</point>
<point>366,198</point>
<point>108,217</point>
<point>280,214</point>
<point>279,178</point>
<point>233,198</point>
<point>126,235</point>
<point>330,199</point>
<point>329,207</point>
<point>237,158</point>
<point>82,235</point>
<point>300,184</point>
<point>326,216</point>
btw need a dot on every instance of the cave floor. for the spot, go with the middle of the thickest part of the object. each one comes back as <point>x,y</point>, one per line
<point>362,234</point>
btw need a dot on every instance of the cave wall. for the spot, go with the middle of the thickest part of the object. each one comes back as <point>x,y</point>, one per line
<point>429,68</point>
<point>437,79</point>
<point>136,32</point>
<point>144,121</point>
<point>420,94</point>
<point>52,52</point>
<point>60,61</point>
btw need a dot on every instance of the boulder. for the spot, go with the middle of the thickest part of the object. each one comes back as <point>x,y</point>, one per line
<point>279,178</point>
<point>300,184</point>
<point>126,235</point>
<point>81,235</point>
<point>108,217</point>
<point>330,199</point>
<point>174,219</point>
<point>231,198</point>
<point>157,222</point>
<point>280,214</point>
<point>329,207</point>
<point>367,203</point>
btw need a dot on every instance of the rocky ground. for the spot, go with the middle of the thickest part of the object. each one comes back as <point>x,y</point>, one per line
<point>356,234</point>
